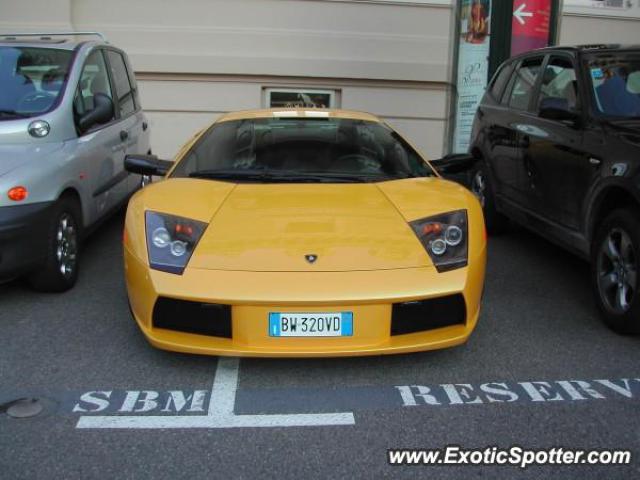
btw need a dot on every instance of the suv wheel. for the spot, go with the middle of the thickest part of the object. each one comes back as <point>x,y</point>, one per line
<point>614,265</point>
<point>482,189</point>
<point>60,270</point>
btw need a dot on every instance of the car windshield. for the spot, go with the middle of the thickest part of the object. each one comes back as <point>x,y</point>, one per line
<point>301,149</point>
<point>31,80</point>
<point>615,79</point>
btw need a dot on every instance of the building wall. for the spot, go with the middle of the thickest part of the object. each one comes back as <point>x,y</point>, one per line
<point>196,59</point>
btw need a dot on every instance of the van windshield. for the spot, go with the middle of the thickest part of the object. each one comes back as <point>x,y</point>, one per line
<point>32,80</point>
<point>615,79</point>
<point>268,150</point>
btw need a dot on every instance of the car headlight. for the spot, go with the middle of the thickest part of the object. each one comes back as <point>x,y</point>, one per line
<point>171,241</point>
<point>445,238</point>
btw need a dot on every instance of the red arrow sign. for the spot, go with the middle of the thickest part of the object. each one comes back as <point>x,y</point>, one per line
<point>530,25</point>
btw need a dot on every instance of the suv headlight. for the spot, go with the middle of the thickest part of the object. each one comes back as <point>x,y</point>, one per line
<point>171,240</point>
<point>445,238</point>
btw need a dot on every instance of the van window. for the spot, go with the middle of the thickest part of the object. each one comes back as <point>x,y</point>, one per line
<point>120,77</point>
<point>32,80</point>
<point>93,80</point>
<point>524,83</point>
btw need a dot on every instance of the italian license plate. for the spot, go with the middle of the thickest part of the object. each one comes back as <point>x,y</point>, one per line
<point>313,324</point>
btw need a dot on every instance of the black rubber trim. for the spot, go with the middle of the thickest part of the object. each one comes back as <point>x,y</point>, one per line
<point>112,182</point>
<point>210,319</point>
<point>22,237</point>
<point>424,315</point>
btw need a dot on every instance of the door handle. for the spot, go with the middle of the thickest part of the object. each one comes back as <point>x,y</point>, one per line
<point>526,141</point>
<point>124,135</point>
<point>145,125</point>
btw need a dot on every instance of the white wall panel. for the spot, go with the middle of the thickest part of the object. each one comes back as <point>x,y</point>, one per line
<point>198,96</point>
<point>581,30</point>
<point>171,130</point>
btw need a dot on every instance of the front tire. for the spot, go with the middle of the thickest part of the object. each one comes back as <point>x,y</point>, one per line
<point>60,270</point>
<point>482,188</point>
<point>615,260</point>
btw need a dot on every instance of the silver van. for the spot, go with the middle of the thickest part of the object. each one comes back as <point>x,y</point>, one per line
<point>69,113</point>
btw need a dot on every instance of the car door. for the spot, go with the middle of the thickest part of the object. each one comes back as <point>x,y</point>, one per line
<point>557,165</point>
<point>507,157</point>
<point>99,152</point>
<point>130,124</point>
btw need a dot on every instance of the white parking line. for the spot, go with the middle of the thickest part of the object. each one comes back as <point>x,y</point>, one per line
<point>220,414</point>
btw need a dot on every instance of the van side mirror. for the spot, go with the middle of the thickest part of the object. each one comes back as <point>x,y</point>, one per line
<point>101,113</point>
<point>147,165</point>
<point>555,108</point>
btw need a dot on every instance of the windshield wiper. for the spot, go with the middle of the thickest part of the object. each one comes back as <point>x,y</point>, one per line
<point>283,176</point>
<point>12,113</point>
<point>222,174</point>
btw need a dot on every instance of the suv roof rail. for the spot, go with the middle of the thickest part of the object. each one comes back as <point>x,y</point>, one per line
<point>48,35</point>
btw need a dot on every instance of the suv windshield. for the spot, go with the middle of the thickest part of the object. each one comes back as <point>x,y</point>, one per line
<point>301,149</point>
<point>615,79</point>
<point>31,80</point>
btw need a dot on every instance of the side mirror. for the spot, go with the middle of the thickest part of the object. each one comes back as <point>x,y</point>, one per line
<point>147,165</point>
<point>453,164</point>
<point>101,113</point>
<point>554,108</point>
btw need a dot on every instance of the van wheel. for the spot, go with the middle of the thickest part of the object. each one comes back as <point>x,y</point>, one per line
<point>60,270</point>
<point>614,270</point>
<point>481,187</point>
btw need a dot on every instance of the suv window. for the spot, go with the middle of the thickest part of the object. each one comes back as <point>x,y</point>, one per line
<point>559,81</point>
<point>524,83</point>
<point>615,80</point>
<point>499,81</point>
<point>93,80</point>
<point>120,77</point>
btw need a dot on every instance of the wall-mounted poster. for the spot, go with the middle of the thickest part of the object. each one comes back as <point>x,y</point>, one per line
<point>303,98</point>
<point>473,66</point>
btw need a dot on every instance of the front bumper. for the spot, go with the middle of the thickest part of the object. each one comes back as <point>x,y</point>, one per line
<point>23,238</point>
<point>252,295</point>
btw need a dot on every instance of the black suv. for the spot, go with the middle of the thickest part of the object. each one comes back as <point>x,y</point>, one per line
<point>557,143</point>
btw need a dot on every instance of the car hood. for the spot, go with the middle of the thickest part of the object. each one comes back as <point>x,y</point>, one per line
<point>16,155</point>
<point>273,227</point>
<point>267,227</point>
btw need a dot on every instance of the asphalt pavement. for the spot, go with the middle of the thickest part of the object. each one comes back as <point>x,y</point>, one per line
<point>541,370</point>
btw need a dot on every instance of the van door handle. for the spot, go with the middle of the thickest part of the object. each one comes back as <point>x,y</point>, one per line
<point>124,135</point>
<point>145,125</point>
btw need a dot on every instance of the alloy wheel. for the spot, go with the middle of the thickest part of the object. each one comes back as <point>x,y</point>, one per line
<point>617,273</point>
<point>66,245</point>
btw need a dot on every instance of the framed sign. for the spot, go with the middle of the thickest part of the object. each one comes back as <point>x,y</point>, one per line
<point>299,98</point>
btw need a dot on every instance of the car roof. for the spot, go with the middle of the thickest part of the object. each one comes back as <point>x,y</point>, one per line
<point>590,48</point>
<point>298,113</point>
<point>61,40</point>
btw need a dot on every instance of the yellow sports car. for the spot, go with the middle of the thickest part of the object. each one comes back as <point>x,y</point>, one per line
<point>301,233</point>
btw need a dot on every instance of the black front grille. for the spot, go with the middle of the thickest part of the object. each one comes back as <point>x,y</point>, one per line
<point>192,317</point>
<point>421,315</point>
